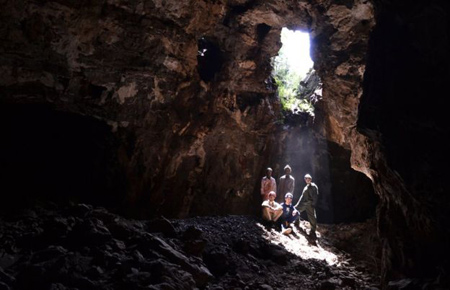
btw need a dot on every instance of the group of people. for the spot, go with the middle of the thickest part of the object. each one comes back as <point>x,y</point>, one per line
<point>285,214</point>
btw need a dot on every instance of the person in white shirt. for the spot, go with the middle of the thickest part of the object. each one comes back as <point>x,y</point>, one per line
<point>268,184</point>
<point>271,210</point>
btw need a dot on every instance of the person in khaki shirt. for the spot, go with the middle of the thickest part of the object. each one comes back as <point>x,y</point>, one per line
<point>271,210</point>
<point>268,184</point>
<point>286,183</point>
<point>308,203</point>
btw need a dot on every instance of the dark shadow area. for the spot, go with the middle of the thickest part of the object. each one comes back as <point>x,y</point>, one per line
<point>56,156</point>
<point>236,10</point>
<point>353,197</point>
<point>251,100</point>
<point>209,59</point>
<point>404,109</point>
<point>84,247</point>
<point>262,30</point>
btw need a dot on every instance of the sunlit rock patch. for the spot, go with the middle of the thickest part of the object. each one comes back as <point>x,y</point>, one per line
<point>298,243</point>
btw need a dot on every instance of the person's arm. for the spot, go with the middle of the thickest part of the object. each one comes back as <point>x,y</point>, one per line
<point>298,202</point>
<point>314,194</point>
<point>262,186</point>
<point>280,186</point>
<point>293,186</point>
<point>299,199</point>
<point>293,210</point>
<point>277,206</point>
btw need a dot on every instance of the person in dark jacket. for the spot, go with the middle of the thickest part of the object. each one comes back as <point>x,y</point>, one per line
<point>308,202</point>
<point>290,214</point>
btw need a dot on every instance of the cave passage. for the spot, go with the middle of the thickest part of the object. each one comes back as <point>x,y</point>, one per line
<point>51,155</point>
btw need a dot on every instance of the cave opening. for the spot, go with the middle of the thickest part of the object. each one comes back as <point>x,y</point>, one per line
<point>347,201</point>
<point>49,155</point>
<point>377,59</point>
<point>298,86</point>
<point>346,196</point>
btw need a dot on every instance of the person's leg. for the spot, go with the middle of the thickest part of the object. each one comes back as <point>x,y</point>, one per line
<point>291,219</point>
<point>285,229</point>
<point>266,215</point>
<point>310,211</point>
<point>277,214</point>
<point>301,208</point>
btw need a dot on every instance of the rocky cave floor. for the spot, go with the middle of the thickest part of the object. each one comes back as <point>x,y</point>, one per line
<point>84,247</point>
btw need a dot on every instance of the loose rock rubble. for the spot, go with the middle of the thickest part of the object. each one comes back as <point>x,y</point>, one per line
<point>83,247</point>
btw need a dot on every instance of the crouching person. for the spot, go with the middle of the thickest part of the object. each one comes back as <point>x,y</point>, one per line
<point>271,210</point>
<point>289,215</point>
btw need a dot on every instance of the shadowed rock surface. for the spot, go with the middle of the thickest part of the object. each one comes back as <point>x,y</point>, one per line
<point>85,247</point>
<point>154,108</point>
<point>166,102</point>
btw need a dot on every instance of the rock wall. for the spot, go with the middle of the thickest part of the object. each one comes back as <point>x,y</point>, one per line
<point>402,114</point>
<point>184,87</point>
<point>136,66</point>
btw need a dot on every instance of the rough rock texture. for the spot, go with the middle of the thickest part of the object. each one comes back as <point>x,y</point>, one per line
<point>134,67</point>
<point>85,247</point>
<point>185,88</point>
<point>192,117</point>
<point>403,116</point>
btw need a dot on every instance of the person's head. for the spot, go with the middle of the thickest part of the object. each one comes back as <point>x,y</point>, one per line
<point>288,198</point>
<point>308,178</point>
<point>269,171</point>
<point>287,169</point>
<point>272,195</point>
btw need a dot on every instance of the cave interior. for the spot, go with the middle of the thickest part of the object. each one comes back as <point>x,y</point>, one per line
<point>155,109</point>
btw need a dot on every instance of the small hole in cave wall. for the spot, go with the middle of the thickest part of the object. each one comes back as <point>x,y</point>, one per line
<point>55,156</point>
<point>245,100</point>
<point>209,59</point>
<point>94,91</point>
<point>262,30</point>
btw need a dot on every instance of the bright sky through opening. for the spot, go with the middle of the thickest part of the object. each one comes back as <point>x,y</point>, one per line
<point>296,49</point>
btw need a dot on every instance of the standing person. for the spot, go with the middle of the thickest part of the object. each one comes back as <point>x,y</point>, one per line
<point>268,184</point>
<point>271,210</point>
<point>287,182</point>
<point>290,214</point>
<point>308,202</point>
